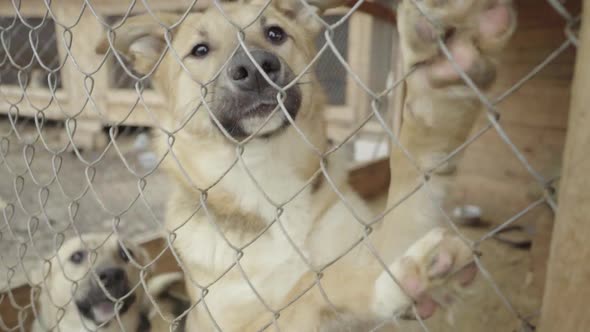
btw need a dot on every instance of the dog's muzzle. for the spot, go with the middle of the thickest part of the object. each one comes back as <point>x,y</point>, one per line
<point>96,306</point>
<point>245,98</point>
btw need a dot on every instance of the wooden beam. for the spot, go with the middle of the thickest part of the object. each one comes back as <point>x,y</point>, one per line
<point>376,9</point>
<point>37,8</point>
<point>370,180</point>
<point>121,102</point>
<point>356,99</point>
<point>566,289</point>
<point>14,309</point>
<point>31,101</point>
<point>84,77</point>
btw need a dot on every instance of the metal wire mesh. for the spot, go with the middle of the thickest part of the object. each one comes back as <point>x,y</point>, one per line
<point>61,182</point>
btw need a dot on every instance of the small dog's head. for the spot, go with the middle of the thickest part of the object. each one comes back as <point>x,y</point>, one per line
<point>101,273</point>
<point>206,63</point>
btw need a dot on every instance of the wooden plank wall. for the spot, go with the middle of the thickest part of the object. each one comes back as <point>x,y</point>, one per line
<point>535,118</point>
<point>566,296</point>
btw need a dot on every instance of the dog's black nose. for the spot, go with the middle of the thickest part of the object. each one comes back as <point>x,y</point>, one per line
<point>111,276</point>
<point>244,75</point>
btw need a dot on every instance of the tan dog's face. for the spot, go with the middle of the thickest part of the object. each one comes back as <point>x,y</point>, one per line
<point>115,273</point>
<point>208,64</point>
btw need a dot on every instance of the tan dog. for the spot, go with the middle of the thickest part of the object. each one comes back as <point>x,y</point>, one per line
<point>110,299</point>
<point>257,227</point>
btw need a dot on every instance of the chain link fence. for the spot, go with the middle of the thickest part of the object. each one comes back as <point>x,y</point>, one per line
<point>76,159</point>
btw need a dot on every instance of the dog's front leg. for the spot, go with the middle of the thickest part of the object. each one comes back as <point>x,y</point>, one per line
<point>358,295</point>
<point>437,108</point>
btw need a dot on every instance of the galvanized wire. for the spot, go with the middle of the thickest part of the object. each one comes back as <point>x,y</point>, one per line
<point>52,190</point>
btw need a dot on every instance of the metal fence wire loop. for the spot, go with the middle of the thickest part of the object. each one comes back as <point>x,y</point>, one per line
<point>78,132</point>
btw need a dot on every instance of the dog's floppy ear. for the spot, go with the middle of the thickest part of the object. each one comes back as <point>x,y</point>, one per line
<point>305,15</point>
<point>141,40</point>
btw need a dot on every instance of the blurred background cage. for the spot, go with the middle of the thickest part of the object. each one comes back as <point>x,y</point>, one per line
<point>53,139</point>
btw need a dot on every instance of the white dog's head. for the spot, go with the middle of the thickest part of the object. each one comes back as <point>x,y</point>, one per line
<point>207,63</point>
<point>92,280</point>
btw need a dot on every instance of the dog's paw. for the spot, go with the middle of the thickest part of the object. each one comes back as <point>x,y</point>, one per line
<point>473,31</point>
<point>429,273</point>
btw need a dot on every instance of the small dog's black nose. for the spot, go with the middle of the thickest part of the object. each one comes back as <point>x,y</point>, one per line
<point>111,276</point>
<point>244,75</point>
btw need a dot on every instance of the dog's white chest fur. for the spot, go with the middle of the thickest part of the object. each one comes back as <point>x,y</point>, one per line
<point>252,181</point>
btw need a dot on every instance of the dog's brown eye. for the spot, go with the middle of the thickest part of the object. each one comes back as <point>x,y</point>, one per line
<point>77,257</point>
<point>123,254</point>
<point>275,34</point>
<point>200,50</point>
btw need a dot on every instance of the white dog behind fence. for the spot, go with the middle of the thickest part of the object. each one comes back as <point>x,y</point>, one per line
<point>286,243</point>
<point>94,283</point>
<point>306,251</point>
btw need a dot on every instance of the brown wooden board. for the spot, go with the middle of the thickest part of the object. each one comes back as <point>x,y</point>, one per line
<point>566,296</point>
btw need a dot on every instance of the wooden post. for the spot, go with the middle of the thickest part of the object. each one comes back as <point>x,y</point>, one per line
<point>86,35</point>
<point>565,303</point>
